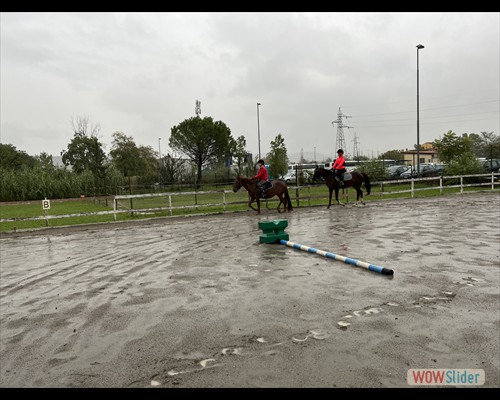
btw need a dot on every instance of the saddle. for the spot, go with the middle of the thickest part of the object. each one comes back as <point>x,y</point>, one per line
<point>347,177</point>
<point>267,185</point>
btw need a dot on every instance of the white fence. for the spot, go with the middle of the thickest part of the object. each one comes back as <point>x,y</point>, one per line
<point>491,184</point>
<point>461,185</point>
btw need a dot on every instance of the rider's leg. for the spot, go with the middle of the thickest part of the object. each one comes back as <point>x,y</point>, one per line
<point>259,186</point>
<point>340,175</point>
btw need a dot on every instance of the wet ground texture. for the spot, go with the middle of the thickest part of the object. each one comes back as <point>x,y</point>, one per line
<point>199,302</point>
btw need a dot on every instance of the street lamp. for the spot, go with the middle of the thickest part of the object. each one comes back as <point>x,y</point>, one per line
<point>419,46</point>
<point>258,127</point>
<point>159,153</point>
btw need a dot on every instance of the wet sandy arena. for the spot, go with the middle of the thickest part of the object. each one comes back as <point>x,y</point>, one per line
<point>199,302</point>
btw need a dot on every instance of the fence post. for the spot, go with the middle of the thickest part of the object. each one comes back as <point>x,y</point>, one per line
<point>170,203</point>
<point>440,185</point>
<point>412,188</point>
<point>461,184</point>
<point>114,208</point>
<point>297,196</point>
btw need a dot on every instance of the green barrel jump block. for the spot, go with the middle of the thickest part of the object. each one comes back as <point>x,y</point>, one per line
<point>273,231</point>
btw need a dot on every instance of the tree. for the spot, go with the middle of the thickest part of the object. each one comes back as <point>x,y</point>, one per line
<point>13,159</point>
<point>203,141</point>
<point>148,165</point>
<point>451,147</point>
<point>173,168</point>
<point>125,154</point>
<point>392,155</point>
<point>134,161</point>
<point>374,169</point>
<point>458,153</point>
<point>277,157</point>
<point>464,163</point>
<point>240,153</point>
<point>85,152</point>
<point>45,162</point>
<point>486,145</point>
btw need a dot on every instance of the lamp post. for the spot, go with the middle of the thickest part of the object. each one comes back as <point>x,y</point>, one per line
<point>419,46</point>
<point>258,127</point>
<point>159,153</point>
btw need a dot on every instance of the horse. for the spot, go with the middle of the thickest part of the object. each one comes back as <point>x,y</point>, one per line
<point>278,188</point>
<point>354,179</point>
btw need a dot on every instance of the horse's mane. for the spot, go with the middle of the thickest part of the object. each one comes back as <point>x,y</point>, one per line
<point>244,178</point>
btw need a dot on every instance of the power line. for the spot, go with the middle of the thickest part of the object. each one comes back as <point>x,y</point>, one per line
<point>429,123</point>
<point>427,109</point>
<point>441,116</point>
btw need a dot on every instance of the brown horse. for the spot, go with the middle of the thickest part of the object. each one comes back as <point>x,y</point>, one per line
<point>332,182</point>
<point>278,188</point>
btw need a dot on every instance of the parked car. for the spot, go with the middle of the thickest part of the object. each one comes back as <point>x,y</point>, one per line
<point>291,177</point>
<point>492,165</point>
<point>430,170</point>
<point>394,171</point>
<point>438,170</point>
<point>425,170</point>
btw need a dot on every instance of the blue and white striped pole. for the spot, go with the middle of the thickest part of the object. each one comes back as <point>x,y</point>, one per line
<point>347,260</point>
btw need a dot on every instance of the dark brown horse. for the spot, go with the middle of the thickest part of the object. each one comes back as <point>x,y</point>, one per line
<point>278,188</point>
<point>332,182</point>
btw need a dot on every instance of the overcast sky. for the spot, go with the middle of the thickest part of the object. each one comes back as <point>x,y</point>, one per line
<point>141,74</point>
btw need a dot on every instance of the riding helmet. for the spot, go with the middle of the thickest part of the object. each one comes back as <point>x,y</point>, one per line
<point>340,151</point>
<point>261,161</point>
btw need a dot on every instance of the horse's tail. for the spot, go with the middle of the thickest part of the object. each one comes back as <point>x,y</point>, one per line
<point>288,201</point>
<point>368,184</point>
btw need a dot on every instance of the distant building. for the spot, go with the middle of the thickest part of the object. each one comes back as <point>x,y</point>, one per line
<point>427,146</point>
<point>427,154</point>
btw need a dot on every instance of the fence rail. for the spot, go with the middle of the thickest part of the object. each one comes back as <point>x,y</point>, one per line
<point>119,201</point>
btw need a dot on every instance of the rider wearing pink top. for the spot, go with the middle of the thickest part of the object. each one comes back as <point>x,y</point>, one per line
<point>338,166</point>
<point>261,176</point>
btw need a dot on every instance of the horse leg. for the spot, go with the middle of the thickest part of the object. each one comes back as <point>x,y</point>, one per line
<point>330,200</point>
<point>252,199</point>
<point>337,197</point>
<point>360,194</point>
<point>257,200</point>
<point>282,201</point>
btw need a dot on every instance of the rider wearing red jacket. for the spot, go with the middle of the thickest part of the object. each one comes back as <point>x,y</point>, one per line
<point>338,167</point>
<point>261,176</point>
